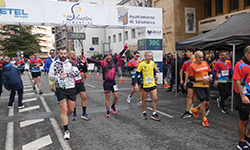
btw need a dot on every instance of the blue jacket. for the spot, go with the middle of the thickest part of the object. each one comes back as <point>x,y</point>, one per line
<point>11,79</point>
<point>47,64</point>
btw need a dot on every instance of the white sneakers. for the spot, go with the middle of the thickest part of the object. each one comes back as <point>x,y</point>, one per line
<point>129,98</point>
<point>66,135</point>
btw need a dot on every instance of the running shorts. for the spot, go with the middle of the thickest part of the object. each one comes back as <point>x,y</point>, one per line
<point>149,89</point>
<point>35,74</point>
<point>190,85</point>
<point>139,81</point>
<point>202,94</point>
<point>79,87</point>
<point>51,82</point>
<point>109,86</point>
<point>65,94</point>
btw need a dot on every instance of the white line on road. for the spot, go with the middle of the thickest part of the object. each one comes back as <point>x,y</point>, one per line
<point>29,100</point>
<point>29,108</point>
<point>90,85</point>
<point>161,113</point>
<point>29,93</point>
<point>30,122</point>
<point>10,132</point>
<point>27,86</point>
<point>37,144</point>
<point>25,90</point>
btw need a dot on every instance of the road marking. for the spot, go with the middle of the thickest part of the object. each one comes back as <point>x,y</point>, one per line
<point>28,86</point>
<point>29,108</point>
<point>30,122</point>
<point>90,85</point>
<point>25,90</point>
<point>29,93</point>
<point>161,113</point>
<point>29,100</point>
<point>10,132</point>
<point>39,143</point>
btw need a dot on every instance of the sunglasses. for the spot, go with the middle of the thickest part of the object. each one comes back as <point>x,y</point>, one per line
<point>52,53</point>
<point>137,55</point>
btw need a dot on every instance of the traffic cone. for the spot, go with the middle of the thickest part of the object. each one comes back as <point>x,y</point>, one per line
<point>121,80</point>
<point>166,86</point>
<point>97,75</point>
<point>89,74</point>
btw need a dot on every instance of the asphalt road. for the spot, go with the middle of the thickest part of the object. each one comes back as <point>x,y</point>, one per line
<point>38,125</point>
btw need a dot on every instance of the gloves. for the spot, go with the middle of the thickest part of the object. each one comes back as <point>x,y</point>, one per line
<point>125,47</point>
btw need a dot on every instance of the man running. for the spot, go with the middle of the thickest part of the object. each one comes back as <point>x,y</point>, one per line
<point>63,72</point>
<point>47,64</point>
<point>109,84</point>
<point>132,67</point>
<point>35,71</point>
<point>187,84</point>
<point>241,79</point>
<point>222,68</point>
<point>79,87</point>
<point>148,70</point>
<point>20,65</point>
<point>200,74</point>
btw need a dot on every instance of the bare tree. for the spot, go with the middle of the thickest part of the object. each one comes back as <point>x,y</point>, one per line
<point>139,3</point>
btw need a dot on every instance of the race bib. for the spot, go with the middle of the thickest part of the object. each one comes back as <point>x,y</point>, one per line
<point>225,72</point>
<point>149,79</point>
<point>115,88</point>
<point>62,83</point>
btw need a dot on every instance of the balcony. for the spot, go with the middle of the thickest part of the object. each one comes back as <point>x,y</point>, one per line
<point>43,44</point>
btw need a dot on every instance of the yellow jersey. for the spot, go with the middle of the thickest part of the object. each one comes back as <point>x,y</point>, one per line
<point>147,70</point>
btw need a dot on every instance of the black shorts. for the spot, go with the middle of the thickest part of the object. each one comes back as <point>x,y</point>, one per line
<point>35,74</point>
<point>239,105</point>
<point>21,70</point>
<point>243,115</point>
<point>110,86</point>
<point>65,94</point>
<point>139,81</point>
<point>190,85</point>
<point>149,89</point>
<point>202,94</point>
<point>79,87</point>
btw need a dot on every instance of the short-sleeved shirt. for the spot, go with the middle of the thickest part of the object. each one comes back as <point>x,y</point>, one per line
<point>242,73</point>
<point>222,69</point>
<point>34,62</point>
<point>133,63</point>
<point>147,70</point>
<point>198,70</point>
<point>186,64</point>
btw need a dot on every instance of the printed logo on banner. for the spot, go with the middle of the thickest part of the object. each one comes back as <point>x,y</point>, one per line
<point>123,15</point>
<point>74,16</point>
<point>16,12</point>
<point>154,32</point>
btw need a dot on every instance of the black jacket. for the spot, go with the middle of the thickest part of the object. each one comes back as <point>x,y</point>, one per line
<point>11,79</point>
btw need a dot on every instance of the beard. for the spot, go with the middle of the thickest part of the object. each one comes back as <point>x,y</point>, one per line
<point>62,58</point>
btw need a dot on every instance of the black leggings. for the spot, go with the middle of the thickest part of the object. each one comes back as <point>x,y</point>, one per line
<point>224,89</point>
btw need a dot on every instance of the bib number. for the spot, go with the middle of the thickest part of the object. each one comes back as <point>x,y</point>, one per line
<point>115,88</point>
<point>149,79</point>
<point>225,72</point>
<point>62,83</point>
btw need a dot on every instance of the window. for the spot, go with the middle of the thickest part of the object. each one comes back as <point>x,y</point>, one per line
<point>246,3</point>
<point>132,33</point>
<point>126,35</point>
<point>234,4</point>
<point>114,38</point>
<point>95,41</point>
<point>120,37</point>
<point>207,8</point>
<point>109,39</point>
<point>219,6</point>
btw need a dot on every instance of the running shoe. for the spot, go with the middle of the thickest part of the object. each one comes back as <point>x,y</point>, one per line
<point>224,110</point>
<point>219,101</point>
<point>187,114</point>
<point>242,146</point>
<point>139,103</point>
<point>113,109</point>
<point>54,96</point>
<point>40,92</point>
<point>247,140</point>
<point>207,112</point>
<point>144,116</point>
<point>85,116</point>
<point>22,106</point>
<point>74,118</point>
<point>9,107</point>
<point>205,123</point>
<point>155,117</point>
<point>66,135</point>
<point>128,99</point>
<point>108,115</point>
<point>195,114</point>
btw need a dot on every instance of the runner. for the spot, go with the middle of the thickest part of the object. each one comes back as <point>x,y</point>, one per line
<point>200,74</point>
<point>241,79</point>
<point>132,67</point>
<point>109,84</point>
<point>79,88</point>
<point>83,67</point>
<point>63,72</point>
<point>20,65</point>
<point>148,70</point>
<point>35,71</point>
<point>187,84</point>
<point>222,68</point>
<point>47,64</point>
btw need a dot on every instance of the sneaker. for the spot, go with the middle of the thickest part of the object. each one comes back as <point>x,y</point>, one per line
<point>54,96</point>
<point>9,107</point>
<point>144,116</point>
<point>128,99</point>
<point>155,117</point>
<point>224,110</point>
<point>247,140</point>
<point>66,135</point>
<point>139,103</point>
<point>207,112</point>
<point>242,146</point>
<point>108,115</point>
<point>187,114</point>
<point>218,101</point>
<point>205,123</point>
<point>195,114</point>
<point>22,106</point>
<point>34,88</point>
<point>74,118</point>
<point>40,92</point>
<point>113,109</point>
<point>85,116</point>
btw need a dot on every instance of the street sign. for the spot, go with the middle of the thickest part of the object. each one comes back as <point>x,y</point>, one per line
<point>75,36</point>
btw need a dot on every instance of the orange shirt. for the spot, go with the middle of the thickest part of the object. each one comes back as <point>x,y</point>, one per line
<point>198,70</point>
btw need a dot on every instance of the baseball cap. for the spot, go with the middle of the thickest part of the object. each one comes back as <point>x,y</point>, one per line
<point>107,54</point>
